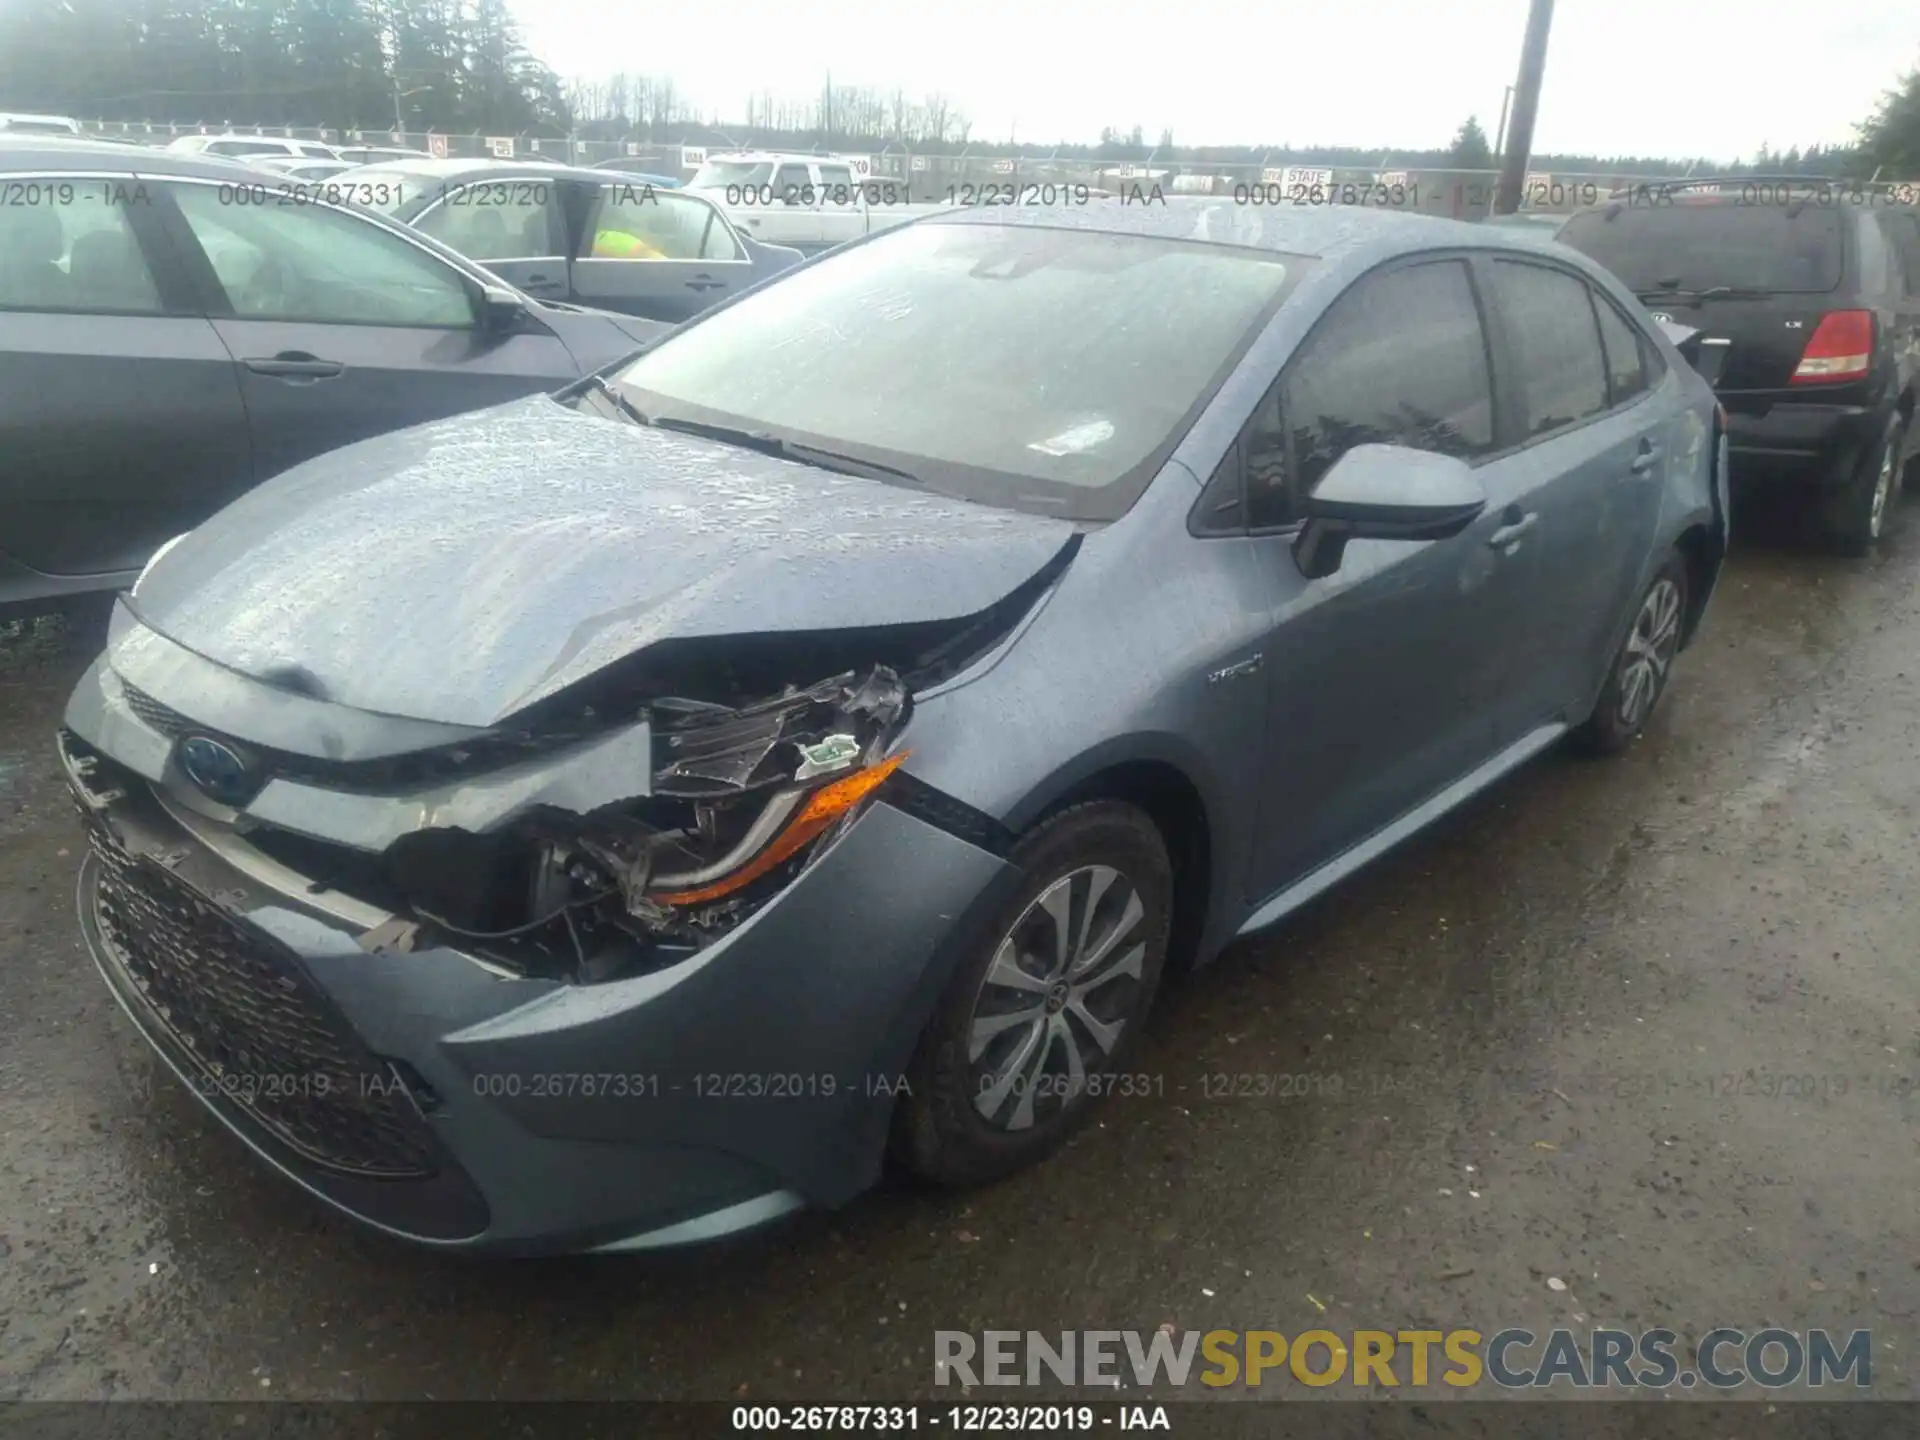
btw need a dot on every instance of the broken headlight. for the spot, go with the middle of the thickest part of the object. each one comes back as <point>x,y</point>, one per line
<point>740,796</point>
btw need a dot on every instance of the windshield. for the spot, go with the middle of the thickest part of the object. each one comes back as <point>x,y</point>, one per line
<point>718,174</point>
<point>244,147</point>
<point>1035,369</point>
<point>1749,247</point>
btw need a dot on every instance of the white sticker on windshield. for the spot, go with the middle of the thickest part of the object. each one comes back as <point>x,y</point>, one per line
<point>1079,438</point>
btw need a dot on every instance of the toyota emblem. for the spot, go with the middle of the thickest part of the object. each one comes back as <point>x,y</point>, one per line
<point>221,772</point>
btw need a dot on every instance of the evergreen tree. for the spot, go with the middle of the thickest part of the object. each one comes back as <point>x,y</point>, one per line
<point>1470,150</point>
<point>1890,139</point>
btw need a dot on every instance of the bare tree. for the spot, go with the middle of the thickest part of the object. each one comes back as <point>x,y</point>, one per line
<point>937,111</point>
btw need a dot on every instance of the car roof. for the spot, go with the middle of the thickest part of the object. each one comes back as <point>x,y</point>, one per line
<point>761,157</point>
<point>52,152</point>
<point>460,169</point>
<point>1323,231</point>
<point>1860,202</point>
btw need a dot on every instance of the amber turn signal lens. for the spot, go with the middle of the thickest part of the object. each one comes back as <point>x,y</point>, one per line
<point>823,807</point>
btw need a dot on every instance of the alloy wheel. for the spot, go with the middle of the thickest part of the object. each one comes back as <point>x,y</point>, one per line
<point>1062,988</point>
<point>1650,650</point>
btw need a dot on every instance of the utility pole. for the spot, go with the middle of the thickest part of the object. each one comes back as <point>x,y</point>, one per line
<point>1526,103</point>
<point>399,119</point>
<point>1500,144</point>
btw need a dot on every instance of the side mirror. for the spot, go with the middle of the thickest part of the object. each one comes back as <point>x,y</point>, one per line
<point>500,308</point>
<point>1385,492</point>
<point>768,259</point>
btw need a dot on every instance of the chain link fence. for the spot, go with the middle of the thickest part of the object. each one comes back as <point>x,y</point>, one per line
<point>975,173</point>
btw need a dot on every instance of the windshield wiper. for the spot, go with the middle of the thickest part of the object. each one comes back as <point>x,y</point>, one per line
<point>1700,297</point>
<point>602,387</point>
<point>770,444</point>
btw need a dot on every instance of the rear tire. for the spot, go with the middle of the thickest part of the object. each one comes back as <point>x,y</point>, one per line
<point>1644,663</point>
<point>1049,1003</point>
<point>1857,516</point>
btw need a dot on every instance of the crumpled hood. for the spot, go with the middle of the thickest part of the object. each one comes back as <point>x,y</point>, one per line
<point>460,571</point>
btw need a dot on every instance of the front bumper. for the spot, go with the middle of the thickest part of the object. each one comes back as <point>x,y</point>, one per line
<point>429,1095</point>
<point>1798,441</point>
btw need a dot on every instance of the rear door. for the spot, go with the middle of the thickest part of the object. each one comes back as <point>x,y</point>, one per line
<point>121,422</point>
<point>1586,453</point>
<point>661,254</point>
<point>343,328</point>
<point>515,227</point>
<point>1792,254</point>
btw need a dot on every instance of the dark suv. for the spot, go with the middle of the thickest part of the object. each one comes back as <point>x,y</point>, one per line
<point>1807,294</point>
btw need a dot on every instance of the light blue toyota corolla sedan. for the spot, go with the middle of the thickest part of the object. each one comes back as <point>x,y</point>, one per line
<point>621,818</point>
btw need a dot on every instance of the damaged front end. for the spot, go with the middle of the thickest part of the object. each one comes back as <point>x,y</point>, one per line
<point>740,798</point>
<point>612,829</point>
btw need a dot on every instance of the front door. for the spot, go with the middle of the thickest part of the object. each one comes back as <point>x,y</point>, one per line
<point>343,329</point>
<point>1384,675</point>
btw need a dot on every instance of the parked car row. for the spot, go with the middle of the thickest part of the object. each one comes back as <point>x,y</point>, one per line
<point>622,817</point>
<point>595,237</point>
<point>164,348</point>
<point>251,147</point>
<point>810,202</point>
<point>153,273</point>
<point>1807,303</point>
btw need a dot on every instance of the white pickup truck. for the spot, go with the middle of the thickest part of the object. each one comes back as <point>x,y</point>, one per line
<point>810,202</point>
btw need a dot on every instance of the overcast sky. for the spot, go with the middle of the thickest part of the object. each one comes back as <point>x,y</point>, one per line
<point>1648,77</point>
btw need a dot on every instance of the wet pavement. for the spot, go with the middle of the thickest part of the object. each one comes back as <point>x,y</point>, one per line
<point>1649,1028</point>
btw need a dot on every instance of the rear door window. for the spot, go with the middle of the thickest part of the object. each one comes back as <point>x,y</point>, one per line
<point>69,245</point>
<point>632,220</point>
<point>498,220</point>
<point>1695,245</point>
<point>1629,373</point>
<point>1555,343</point>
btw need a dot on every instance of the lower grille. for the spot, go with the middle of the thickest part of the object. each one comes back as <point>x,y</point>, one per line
<point>252,1023</point>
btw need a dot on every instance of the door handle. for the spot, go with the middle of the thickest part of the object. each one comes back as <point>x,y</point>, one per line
<point>535,280</point>
<point>296,365</point>
<point>1644,461</point>
<point>706,284</point>
<point>1508,534</point>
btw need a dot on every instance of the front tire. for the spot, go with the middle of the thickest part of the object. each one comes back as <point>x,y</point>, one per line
<point>1643,664</point>
<point>1049,1003</point>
